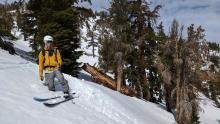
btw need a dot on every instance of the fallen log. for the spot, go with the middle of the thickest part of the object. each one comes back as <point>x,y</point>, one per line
<point>105,80</point>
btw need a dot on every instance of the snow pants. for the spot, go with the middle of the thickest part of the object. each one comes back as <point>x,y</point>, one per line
<point>49,80</point>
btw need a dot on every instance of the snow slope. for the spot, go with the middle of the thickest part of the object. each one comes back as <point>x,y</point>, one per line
<point>20,43</point>
<point>96,105</point>
<point>209,114</point>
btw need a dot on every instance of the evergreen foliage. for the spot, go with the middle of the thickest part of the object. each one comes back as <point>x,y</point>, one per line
<point>6,22</point>
<point>61,19</point>
<point>151,60</point>
<point>214,82</point>
<point>130,28</point>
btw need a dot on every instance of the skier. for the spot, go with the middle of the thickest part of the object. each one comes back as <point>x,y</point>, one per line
<point>50,63</point>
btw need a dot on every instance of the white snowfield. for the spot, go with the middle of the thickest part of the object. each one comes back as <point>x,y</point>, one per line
<point>19,83</point>
<point>209,114</point>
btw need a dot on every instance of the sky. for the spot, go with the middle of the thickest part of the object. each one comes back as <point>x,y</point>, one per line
<point>198,12</point>
<point>3,1</point>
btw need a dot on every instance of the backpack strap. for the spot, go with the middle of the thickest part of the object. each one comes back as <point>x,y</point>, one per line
<point>55,52</point>
<point>43,52</point>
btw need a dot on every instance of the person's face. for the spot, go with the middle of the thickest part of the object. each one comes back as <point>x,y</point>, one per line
<point>49,44</point>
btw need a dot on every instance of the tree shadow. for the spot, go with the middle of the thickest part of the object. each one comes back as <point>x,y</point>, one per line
<point>85,76</point>
<point>163,106</point>
<point>218,121</point>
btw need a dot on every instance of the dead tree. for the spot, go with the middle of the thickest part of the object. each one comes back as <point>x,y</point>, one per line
<point>119,70</point>
<point>106,80</point>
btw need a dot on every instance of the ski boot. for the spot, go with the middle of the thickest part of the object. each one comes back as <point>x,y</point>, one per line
<point>67,95</point>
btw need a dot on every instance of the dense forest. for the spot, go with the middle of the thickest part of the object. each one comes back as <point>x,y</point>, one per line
<point>170,67</point>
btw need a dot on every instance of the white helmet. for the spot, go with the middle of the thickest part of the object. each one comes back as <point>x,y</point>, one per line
<point>48,38</point>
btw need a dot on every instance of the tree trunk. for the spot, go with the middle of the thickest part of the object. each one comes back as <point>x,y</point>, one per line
<point>93,45</point>
<point>183,116</point>
<point>119,70</point>
<point>146,94</point>
<point>168,100</point>
<point>25,36</point>
<point>119,79</point>
<point>140,35</point>
<point>178,95</point>
<point>105,80</point>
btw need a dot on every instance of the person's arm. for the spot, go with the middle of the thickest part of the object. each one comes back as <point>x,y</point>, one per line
<point>41,64</point>
<point>59,59</point>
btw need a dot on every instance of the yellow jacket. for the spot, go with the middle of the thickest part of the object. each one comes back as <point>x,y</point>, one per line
<point>49,63</point>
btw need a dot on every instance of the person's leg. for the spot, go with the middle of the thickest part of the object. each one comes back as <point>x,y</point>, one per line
<point>46,79</point>
<point>63,81</point>
<point>49,80</point>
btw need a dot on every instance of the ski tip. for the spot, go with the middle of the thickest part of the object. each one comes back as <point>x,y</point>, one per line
<point>37,99</point>
<point>50,105</point>
<point>57,103</point>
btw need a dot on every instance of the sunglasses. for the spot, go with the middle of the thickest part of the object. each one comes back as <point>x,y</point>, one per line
<point>49,41</point>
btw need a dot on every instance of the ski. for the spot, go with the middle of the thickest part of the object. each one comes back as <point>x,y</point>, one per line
<point>49,98</point>
<point>55,103</point>
<point>45,99</point>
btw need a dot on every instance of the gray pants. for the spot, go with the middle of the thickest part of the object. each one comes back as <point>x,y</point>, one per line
<point>49,80</point>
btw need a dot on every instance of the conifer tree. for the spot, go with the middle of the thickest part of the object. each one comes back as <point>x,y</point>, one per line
<point>214,82</point>
<point>6,21</point>
<point>130,24</point>
<point>117,44</point>
<point>104,40</point>
<point>61,19</point>
<point>144,37</point>
<point>180,68</point>
<point>91,36</point>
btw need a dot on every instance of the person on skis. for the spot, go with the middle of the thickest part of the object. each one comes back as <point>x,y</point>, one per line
<point>50,63</point>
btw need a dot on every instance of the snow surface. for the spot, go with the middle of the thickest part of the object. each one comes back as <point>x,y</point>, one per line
<point>87,56</point>
<point>19,43</point>
<point>209,114</point>
<point>19,83</point>
<point>22,45</point>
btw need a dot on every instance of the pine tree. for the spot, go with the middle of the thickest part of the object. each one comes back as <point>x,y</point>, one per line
<point>91,36</point>
<point>164,64</point>
<point>61,19</point>
<point>105,52</point>
<point>214,81</point>
<point>117,44</point>
<point>130,24</point>
<point>26,24</point>
<point>104,40</point>
<point>6,21</point>
<point>144,37</point>
<point>181,63</point>
<point>122,44</point>
<point>6,24</point>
